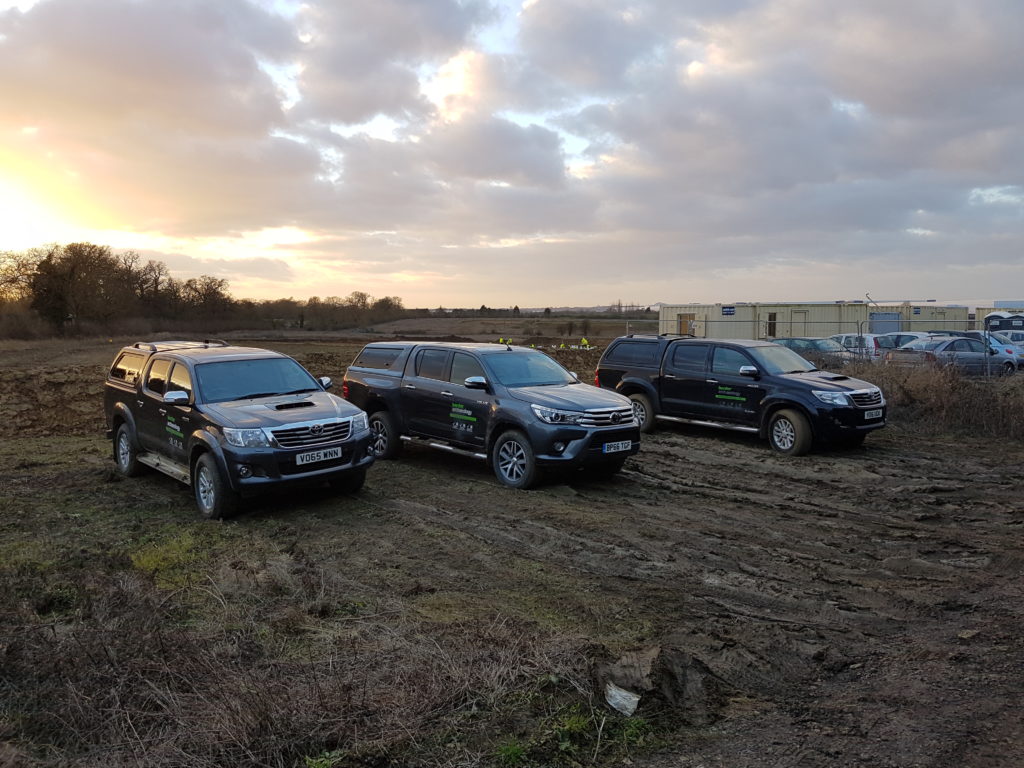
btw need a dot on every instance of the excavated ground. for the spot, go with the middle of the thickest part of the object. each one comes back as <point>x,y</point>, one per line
<point>849,608</point>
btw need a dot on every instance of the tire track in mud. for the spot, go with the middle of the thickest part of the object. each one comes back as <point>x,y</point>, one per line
<point>768,588</point>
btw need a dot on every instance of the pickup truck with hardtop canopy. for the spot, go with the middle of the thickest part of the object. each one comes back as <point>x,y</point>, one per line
<point>514,407</point>
<point>230,421</point>
<point>740,384</point>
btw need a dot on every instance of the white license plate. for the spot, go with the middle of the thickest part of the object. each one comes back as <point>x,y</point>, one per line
<point>622,445</point>
<point>312,457</point>
<point>875,414</point>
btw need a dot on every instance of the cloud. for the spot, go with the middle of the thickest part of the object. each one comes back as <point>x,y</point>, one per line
<point>599,143</point>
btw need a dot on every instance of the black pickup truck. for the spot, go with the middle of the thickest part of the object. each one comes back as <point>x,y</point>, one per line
<point>752,386</point>
<point>515,407</point>
<point>230,421</point>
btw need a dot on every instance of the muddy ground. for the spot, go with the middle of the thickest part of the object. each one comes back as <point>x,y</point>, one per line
<point>849,608</point>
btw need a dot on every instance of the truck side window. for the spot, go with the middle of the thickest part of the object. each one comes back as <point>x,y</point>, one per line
<point>634,353</point>
<point>729,361</point>
<point>430,363</point>
<point>181,380</point>
<point>689,357</point>
<point>156,380</point>
<point>126,368</point>
<point>464,366</point>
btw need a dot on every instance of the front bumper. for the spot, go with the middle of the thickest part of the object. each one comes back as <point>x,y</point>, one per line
<point>252,470</point>
<point>582,446</point>
<point>833,423</point>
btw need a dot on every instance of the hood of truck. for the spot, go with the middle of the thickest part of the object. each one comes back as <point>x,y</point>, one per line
<point>280,410</point>
<point>827,381</point>
<point>571,397</point>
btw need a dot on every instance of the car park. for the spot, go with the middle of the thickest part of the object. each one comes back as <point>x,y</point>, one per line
<point>870,347</point>
<point>230,421</point>
<point>516,408</point>
<point>970,356</point>
<point>827,353</point>
<point>740,384</point>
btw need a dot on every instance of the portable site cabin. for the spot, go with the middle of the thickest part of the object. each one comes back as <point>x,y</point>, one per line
<point>744,320</point>
<point>1003,321</point>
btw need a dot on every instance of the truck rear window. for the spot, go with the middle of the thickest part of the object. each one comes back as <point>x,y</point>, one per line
<point>126,368</point>
<point>377,357</point>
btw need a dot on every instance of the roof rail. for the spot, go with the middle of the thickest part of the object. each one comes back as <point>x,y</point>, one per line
<point>164,346</point>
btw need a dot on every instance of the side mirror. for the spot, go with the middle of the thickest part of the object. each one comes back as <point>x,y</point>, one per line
<point>176,397</point>
<point>574,375</point>
<point>749,370</point>
<point>992,351</point>
<point>475,382</point>
<point>325,382</point>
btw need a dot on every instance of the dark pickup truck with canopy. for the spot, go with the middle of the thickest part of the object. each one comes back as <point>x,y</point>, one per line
<point>514,407</point>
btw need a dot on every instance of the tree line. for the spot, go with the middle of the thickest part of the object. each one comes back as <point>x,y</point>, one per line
<point>83,288</point>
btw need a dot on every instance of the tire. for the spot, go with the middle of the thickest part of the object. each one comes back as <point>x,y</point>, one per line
<point>514,462</point>
<point>643,411</point>
<point>1009,368</point>
<point>125,455</point>
<point>214,499</point>
<point>386,443</point>
<point>789,433</point>
<point>349,482</point>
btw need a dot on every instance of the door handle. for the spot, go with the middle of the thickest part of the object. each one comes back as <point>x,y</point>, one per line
<point>409,386</point>
<point>711,381</point>
<point>162,411</point>
<point>447,394</point>
<point>138,403</point>
<point>670,376</point>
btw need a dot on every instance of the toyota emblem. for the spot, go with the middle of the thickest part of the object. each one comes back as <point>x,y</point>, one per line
<point>616,418</point>
<point>316,429</point>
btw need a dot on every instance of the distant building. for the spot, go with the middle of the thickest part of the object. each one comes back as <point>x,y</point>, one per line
<point>743,320</point>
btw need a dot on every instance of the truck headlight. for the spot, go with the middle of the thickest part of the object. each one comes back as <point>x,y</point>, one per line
<point>832,398</point>
<point>359,423</point>
<point>554,416</point>
<point>246,438</point>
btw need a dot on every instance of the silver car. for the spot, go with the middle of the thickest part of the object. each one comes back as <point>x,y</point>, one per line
<point>966,354</point>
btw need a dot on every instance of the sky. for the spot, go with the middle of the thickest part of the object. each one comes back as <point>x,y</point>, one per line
<point>539,153</point>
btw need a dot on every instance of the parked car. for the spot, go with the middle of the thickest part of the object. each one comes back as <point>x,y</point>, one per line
<point>825,353</point>
<point>743,385</point>
<point>899,338</point>
<point>1017,337</point>
<point>515,408</point>
<point>1001,343</point>
<point>966,354</point>
<point>867,346</point>
<point>230,421</point>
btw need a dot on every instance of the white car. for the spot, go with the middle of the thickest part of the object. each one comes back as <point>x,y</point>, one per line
<point>867,346</point>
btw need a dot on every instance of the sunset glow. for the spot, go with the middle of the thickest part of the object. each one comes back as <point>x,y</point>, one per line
<point>521,152</point>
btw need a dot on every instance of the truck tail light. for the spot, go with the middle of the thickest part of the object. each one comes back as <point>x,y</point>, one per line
<point>597,379</point>
<point>344,389</point>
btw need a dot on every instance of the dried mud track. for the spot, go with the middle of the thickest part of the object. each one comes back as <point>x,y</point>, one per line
<point>864,605</point>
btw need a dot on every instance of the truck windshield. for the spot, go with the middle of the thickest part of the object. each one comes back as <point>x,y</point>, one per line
<point>527,369</point>
<point>244,379</point>
<point>777,359</point>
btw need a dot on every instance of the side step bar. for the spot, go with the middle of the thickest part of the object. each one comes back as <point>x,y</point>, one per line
<point>700,423</point>
<point>443,447</point>
<point>162,464</point>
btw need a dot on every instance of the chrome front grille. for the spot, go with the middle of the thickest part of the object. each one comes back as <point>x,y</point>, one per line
<point>608,417</point>
<point>312,433</point>
<point>866,398</point>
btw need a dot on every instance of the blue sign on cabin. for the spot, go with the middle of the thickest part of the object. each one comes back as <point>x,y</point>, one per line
<point>917,310</point>
<point>728,310</point>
